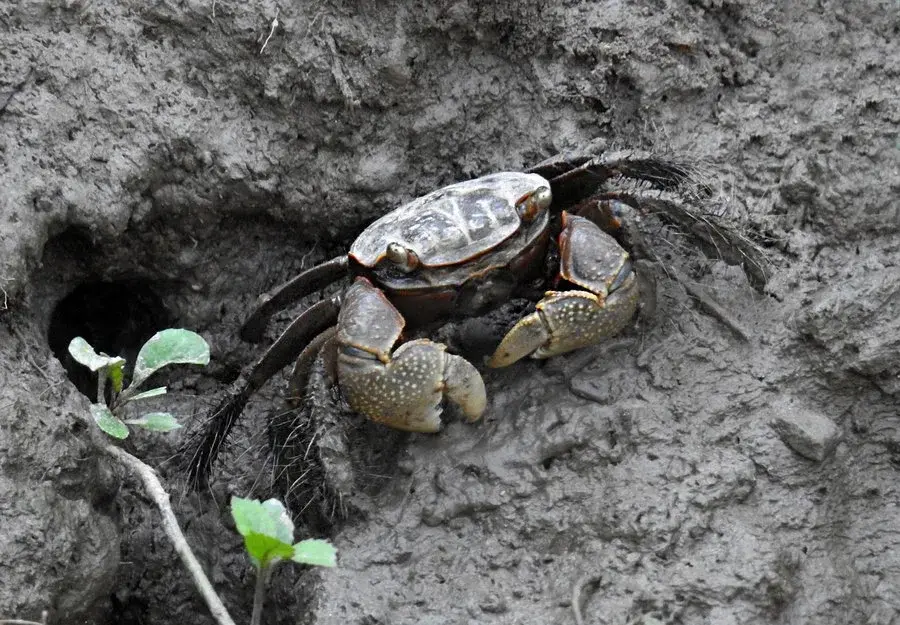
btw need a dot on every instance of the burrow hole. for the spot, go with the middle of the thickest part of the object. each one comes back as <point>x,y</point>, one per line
<point>116,317</point>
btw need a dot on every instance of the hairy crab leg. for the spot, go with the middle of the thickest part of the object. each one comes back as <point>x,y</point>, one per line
<point>315,320</point>
<point>303,366</point>
<point>715,238</point>
<point>560,164</point>
<point>282,296</point>
<point>575,178</point>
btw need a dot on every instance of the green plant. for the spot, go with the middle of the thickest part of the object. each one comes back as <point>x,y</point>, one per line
<point>269,539</point>
<point>168,347</point>
<point>267,530</point>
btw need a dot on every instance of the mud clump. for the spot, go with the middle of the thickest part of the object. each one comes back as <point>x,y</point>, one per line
<point>810,434</point>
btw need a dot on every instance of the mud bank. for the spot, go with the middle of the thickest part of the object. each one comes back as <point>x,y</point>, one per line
<point>194,154</point>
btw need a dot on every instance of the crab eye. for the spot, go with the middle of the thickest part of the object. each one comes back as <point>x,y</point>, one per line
<point>530,205</point>
<point>614,211</point>
<point>405,259</point>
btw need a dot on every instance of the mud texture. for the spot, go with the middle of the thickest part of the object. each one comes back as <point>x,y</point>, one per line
<point>205,153</point>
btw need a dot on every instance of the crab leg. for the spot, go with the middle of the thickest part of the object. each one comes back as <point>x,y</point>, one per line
<point>573,178</point>
<point>300,375</point>
<point>404,388</point>
<point>315,320</point>
<point>282,296</point>
<point>567,320</point>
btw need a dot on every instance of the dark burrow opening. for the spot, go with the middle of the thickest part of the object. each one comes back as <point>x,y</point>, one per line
<point>115,317</point>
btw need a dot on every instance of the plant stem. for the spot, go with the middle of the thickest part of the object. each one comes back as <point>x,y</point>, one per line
<point>101,386</point>
<point>170,525</point>
<point>125,395</point>
<point>259,595</point>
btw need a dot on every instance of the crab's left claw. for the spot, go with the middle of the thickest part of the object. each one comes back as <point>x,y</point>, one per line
<point>564,321</point>
<point>567,320</point>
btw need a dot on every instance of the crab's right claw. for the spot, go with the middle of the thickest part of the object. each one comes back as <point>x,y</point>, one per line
<point>405,393</point>
<point>525,338</point>
<point>464,387</point>
<point>402,388</point>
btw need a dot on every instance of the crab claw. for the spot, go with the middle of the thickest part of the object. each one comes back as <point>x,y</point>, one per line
<point>405,393</point>
<point>567,320</point>
<point>402,389</point>
<point>564,321</point>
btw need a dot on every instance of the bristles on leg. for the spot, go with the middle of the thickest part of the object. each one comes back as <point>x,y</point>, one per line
<point>219,425</point>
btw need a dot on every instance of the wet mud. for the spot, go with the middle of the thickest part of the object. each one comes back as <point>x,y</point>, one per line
<point>729,467</point>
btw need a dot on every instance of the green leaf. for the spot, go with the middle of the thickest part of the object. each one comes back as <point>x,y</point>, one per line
<point>266,527</point>
<point>156,422</point>
<point>115,374</point>
<point>108,422</point>
<point>83,353</point>
<point>153,392</point>
<point>268,517</point>
<point>316,552</point>
<point>169,347</point>
<point>264,550</point>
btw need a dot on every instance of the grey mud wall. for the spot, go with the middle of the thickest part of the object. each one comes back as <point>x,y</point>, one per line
<point>163,162</point>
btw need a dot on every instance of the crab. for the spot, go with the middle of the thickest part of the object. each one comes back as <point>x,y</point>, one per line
<point>459,251</point>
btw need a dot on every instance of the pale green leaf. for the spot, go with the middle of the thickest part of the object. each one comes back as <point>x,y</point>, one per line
<point>269,518</point>
<point>266,527</point>
<point>153,392</point>
<point>316,552</point>
<point>264,549</point>
<point>84,354</point>
<point>116,374</point>
<point>108,422</point>
<point>169,347</point>
<point>156,422</point>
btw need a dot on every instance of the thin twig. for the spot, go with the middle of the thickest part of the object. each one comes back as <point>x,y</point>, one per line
<point>310,25</point>
<point>704,301</point>
<point>15,621</point>
<point>337,71</point>
<point>271,32</point>
<point>715,310</point>
<point>709,305</point>
<point>586,580</point>
<point>173,531</point>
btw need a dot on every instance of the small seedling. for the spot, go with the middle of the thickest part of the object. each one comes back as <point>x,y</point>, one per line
<point>167,347</point>
<point>269,538</point>
<point>267,530</point>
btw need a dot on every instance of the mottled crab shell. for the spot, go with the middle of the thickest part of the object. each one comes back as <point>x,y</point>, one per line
<point>453,224</point>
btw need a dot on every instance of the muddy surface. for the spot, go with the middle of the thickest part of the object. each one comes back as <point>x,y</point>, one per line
<point>195,154</point>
